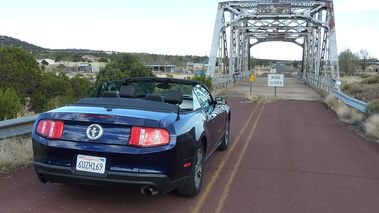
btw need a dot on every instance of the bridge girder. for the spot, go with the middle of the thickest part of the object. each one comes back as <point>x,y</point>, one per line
<point>240,25</point>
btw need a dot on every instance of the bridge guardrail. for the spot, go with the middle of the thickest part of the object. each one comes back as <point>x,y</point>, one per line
<point>16,127</point>
<point>224,80</point>
<point>355,103</point>
<point>321,82</point>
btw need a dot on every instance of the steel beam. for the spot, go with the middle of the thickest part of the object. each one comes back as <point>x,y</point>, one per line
<point>240,25</point>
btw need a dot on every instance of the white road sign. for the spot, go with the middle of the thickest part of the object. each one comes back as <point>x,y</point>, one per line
<point>275,80</point>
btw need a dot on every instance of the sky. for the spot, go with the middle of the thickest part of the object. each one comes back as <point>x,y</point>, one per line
<point>169,27</point>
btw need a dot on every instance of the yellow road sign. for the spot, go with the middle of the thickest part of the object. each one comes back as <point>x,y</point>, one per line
<point>252,77</point>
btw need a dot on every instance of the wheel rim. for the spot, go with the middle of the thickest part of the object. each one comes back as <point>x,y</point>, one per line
<point>199,168</point>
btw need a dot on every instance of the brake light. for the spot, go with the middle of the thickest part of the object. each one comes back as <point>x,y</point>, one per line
<point>97,116</point>
<point>50,129</point>
<point>148,137</point>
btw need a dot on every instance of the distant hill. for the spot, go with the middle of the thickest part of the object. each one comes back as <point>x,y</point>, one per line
<point>9,41</point>
<point>146,58</point>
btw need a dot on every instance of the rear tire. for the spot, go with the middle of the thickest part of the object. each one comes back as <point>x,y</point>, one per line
<point>225,142</point>
<point>193,185</point>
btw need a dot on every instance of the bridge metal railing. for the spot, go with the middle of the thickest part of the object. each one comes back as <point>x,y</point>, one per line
<point>321,82</point>
<point>224,80</point>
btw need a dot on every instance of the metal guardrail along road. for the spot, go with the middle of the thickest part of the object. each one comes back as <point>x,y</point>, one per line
<point>355,103</point>
<point>16,127</point>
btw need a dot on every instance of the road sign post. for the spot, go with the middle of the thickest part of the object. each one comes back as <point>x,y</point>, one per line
<point>252,78</point>
<point>275,80</point>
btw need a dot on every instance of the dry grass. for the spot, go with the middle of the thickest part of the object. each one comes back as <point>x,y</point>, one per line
<point>332,102</point>
<point>350,79</point>
<point>15,152</point>
<point>367,127</point>
<point>372,126</point>
<point>257,99</point>
<point>349,114</point>
<point>344,112</point>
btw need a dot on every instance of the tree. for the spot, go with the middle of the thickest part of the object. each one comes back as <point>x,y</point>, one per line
<point>44,62</point>
<point>364,59</point>
<point>125,66</point>
<point>205,79</point>
<point>81,87</point>
<point>18,70</point>
<point>253,62</point>
<point>57,90</point>
<point>61,66</point>
<point>77,57</point>
<point>103,59</point>
<point>348,62</point>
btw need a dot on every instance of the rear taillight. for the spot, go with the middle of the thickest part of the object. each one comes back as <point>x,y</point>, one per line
<point>148,137</point>
<point>50,129</point>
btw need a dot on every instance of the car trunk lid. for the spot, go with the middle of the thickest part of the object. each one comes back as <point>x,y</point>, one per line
<point>105,125</point>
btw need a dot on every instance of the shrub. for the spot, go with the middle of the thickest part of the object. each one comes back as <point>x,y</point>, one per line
<point>169,76</point>
<point>372,126</point>
<point>102,59</point>
<point>59,101</point>
<point>368,93</point>
<point>353,89</point>
<point>346,87</point>
<point>363,92</point>
<point>371,80</point>
<point>373,106</point>
<point>349,114</point>
<point>331,101</point>
<point>10,104</point>
<point>364,75</point>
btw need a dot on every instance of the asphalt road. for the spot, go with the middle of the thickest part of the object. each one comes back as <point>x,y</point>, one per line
<point>292,89</point>
<point>286,156</point>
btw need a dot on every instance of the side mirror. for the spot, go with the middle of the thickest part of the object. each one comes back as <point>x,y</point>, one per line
<point>221,101</point>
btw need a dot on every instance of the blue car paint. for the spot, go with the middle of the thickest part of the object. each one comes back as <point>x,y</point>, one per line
<point>164,163</point>
<point>60,152</point>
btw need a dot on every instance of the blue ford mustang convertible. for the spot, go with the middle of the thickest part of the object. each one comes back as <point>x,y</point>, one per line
<point>151,134</point>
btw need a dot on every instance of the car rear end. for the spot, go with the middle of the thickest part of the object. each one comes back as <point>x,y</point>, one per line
<point>110,147</point>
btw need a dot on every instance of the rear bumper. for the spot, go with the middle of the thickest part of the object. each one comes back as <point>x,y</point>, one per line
<point>135,181</point>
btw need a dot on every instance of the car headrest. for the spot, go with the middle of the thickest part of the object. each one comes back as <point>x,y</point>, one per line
<point>174,97</point>
<point>128,92</point>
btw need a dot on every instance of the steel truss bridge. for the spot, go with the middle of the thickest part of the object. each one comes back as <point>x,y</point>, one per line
<point>240,25</point>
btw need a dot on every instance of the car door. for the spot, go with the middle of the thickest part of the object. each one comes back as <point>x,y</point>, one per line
<point>215,121</point>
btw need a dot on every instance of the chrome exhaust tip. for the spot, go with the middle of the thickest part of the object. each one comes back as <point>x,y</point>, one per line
<point>149,190</point>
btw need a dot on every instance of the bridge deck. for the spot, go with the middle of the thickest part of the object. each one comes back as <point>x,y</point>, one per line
<point>294,89</point>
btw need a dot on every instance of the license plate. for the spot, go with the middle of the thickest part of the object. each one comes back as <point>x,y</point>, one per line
<point>90,164</point>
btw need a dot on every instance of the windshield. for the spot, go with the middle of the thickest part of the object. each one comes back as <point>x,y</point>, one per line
<point>152,89</point>
<point>144,88</point>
